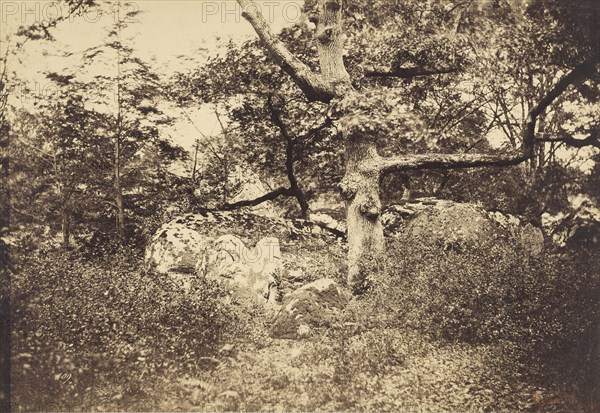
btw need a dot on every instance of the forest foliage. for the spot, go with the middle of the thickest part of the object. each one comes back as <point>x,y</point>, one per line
<point>90,173</point>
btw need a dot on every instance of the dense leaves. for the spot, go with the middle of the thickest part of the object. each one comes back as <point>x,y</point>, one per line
<point>87,327</point>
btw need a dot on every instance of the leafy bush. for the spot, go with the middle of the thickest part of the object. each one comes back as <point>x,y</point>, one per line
<point>81,328</point>
<point>488,293</point>
<point>538,317</point>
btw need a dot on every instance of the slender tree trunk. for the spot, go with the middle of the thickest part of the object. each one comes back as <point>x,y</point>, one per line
<point>294,186</point>
<point>541,146</point>
<point>120,213</point>
<point>65,228</point>
<point>195,165</point>
<point>118,187</point>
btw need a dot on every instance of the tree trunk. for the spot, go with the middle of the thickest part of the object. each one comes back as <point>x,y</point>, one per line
<point>360,185</point>
<point>195,165</point>
<point>120,213</point>
<point>330,42</point>
<point>360,189</point>
<point>65,228</point>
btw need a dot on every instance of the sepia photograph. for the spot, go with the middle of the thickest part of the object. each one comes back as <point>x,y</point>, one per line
<point>300,206</point>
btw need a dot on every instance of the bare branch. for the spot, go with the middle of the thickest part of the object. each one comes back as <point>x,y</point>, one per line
<point>41,30</point>
<point>27,214</point>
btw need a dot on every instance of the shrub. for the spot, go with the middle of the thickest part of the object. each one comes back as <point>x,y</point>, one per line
<point>488,293</point>
<point>83,330</point>
<point>541,317</point>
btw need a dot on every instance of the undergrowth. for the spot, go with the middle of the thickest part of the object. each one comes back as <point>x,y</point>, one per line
<point>442,330</point>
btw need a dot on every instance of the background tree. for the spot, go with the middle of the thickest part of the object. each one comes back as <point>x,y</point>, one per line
<point>52,153</point>
<point>131,91</point>
<point>269,125</point>
<point>5,320</point>
<point>99,146</point>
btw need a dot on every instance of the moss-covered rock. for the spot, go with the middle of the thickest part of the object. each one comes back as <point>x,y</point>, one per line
<point>314,305</point>
<point>460,226</point>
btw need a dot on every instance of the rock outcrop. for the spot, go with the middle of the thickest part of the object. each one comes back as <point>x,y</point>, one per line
<point>250,273</point>
<point>259,258</point>
<point>453,224</point>
<point>579,228</point>
<point>248,252</point>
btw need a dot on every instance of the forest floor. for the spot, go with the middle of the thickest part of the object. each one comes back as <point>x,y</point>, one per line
<point>388,370</point>
<point>92,336</point>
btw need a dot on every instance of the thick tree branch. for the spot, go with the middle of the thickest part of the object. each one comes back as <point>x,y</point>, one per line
<point>462,161</point>
<point>408,72</point>
<point>584,70</point>
<point>449,161</point>
<point>289,159</point>
<point>314,86</point>
<point>257,201</point>
<point>592,140</point>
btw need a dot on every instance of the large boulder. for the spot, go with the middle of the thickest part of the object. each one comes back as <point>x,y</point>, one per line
<point>249,252</point>
<point>460,225</point>
<point>178,245</point>
<point>175,247</point>
<point>250,273</point>
<point>314,305</point>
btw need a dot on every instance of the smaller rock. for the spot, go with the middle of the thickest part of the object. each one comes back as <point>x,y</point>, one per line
<point>314,305</point>
<point>227,348</point>
<point>295,275</point>
<point>229,401</point>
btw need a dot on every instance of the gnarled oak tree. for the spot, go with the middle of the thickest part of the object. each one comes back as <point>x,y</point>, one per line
<point>364,116</point>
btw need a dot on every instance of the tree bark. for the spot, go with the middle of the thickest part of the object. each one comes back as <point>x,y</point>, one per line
<point>330,42</point>
<point>360,189</point>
